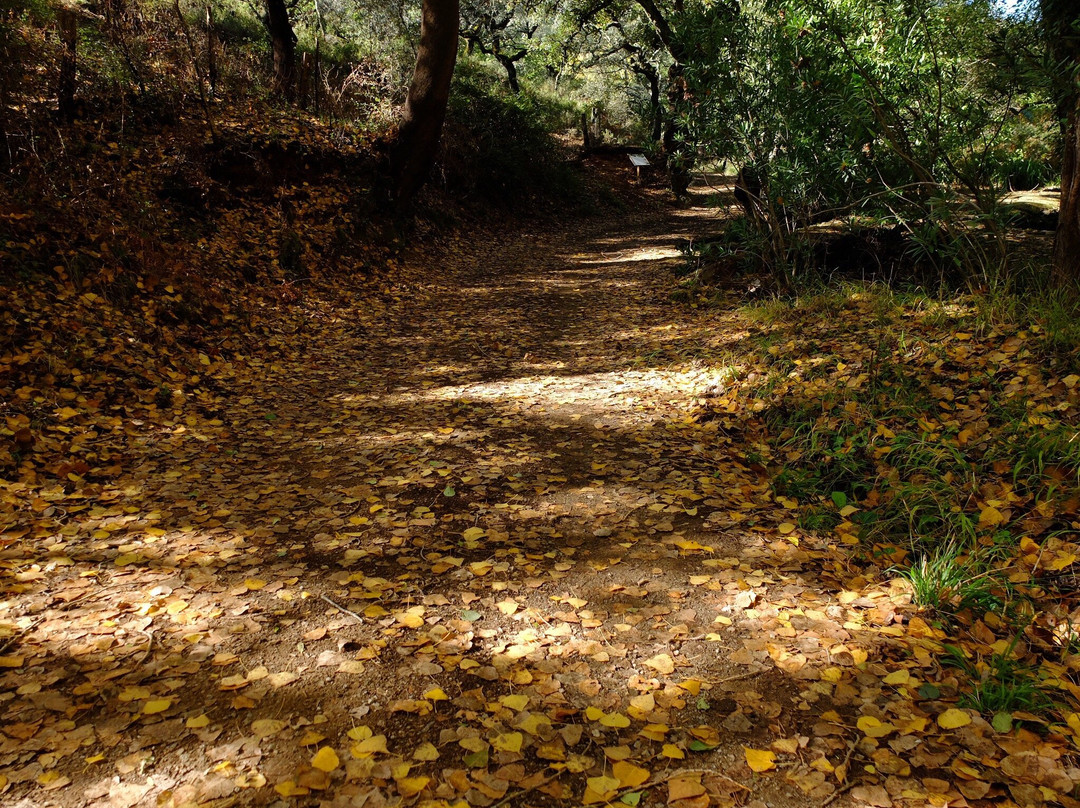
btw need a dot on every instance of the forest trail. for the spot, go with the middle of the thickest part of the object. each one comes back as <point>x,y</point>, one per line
<point>477,546</point>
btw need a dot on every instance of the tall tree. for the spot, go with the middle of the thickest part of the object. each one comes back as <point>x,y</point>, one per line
<point>500,30</point>
<point>413,151</point>
<point>1061,21</point>
<point>283,42</point>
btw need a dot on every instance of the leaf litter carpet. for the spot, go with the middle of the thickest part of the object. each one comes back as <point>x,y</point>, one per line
<point>474,546</point>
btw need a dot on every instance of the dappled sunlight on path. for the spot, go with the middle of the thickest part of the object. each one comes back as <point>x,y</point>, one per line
<point>479,549</point>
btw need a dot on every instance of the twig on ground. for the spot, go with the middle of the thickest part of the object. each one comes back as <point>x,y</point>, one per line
<point>848,785</point>
<point>514,795</point>
<point>736,677</point>
<point>659,781</point>
<point>341,608</point>
<point>14,638</point>
<point>149,647</point>
<point>836,794</point>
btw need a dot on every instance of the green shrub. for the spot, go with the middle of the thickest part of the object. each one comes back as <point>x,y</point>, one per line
<point>497,144</point>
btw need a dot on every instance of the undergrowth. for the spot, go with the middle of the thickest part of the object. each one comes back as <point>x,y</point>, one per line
<point>938,436</point>
<point>498,145</point>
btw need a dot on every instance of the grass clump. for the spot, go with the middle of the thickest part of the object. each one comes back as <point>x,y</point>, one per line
<point>1001,684</point>
<point>950,579</point>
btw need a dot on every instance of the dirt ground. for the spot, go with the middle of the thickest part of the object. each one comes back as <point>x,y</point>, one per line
<point>476,546</point>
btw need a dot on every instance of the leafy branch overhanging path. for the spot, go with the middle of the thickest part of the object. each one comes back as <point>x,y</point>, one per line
<point>476,546</point>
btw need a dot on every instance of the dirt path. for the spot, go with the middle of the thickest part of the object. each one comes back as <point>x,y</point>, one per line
<point>474,545</point>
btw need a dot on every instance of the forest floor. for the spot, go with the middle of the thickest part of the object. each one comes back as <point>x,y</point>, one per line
<point>500,539</point>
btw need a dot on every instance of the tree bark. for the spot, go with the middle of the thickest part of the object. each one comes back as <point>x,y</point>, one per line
<point>211,56</point>
<point>413,151</point>
<point>655,107</point>
<point>69,36</point>
<point>678,152</point>
<point>511,72</point>
<point>1061,22</point>
<point>1066,261</point>
<point>283,43</point>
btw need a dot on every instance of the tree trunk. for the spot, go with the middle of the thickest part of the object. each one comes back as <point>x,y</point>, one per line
<point>283,42</point>
<point>418,135</point>
<point>678,153</point>
<point>69,36</point>
<point>655,107</point>
<point>511,72</point>
<point>1066,262</point>
<point>211,56</point>
<point>1061,23</point>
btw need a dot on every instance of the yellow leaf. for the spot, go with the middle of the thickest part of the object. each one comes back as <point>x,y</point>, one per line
<point>265,727</point>
<point>254,584</point>
<point>661,663</point>
<point>436,694</point>
<point>410,620</point>
<point>990,517</point>
<point>290,789</point>
<point>655,732</point>
<point>508,742</point>
<point>785,528</point>
<point>873,728</point>
<point>156,706</point>
<point>360,733</point>
<point>953,719</point>
<point>281,679</point>
<point>473,744</point>
<point>822,764</point>
<point>517,701</point>
<point>11,661</point>
<point>900,677</point>
<point>325,760</point>
<point>759,760</point>
<point>594,713</point>
<point>691,686</point>
<point>370,746</point>
<point>534,723</point>
<point>426,752</point>
<point>602,786</point>
<point>411,706</point>
<point>1061,562</point>
<point>685,787</point>
<point>629,775</point>
<point>198,722</point>
<point>786,746</point>
<point>706,734</point>
<point>411,786</point>
<point>615,720</point>
<point>670,750</point>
